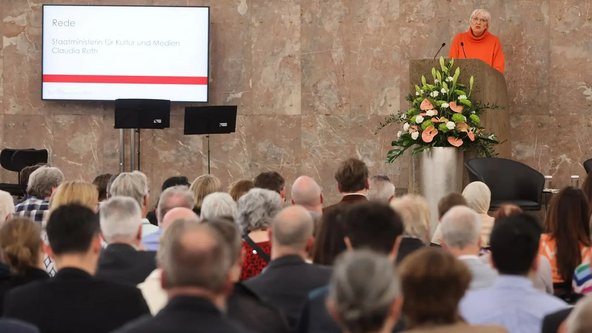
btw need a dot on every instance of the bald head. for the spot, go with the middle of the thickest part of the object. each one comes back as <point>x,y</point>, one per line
<point>292,228</point>
<point>178,213</point>
<point>307,193</point>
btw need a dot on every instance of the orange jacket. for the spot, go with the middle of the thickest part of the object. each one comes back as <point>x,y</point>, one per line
<point>487,48</point>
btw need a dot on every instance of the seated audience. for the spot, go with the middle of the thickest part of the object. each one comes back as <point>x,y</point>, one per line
<point>461,236</point>
<point>308,194</point>
<point>364,293</point>
<point>381,189</point>
<point>352,182</point>
<point>196,273</point>
<point>288,279</point>
<point>42,183</point>
<point>478,198</point>
<point>24,177</point>
<point>415,212</point>
<point>101,182</point>
<point>329,237</point>
<point>218,204</point>
<point>240,188</point>
<point>21,249</point>
<point>444,204</point>
<point>169,182</point>
<point>255,212</point>
<point>512,301</point>
<point>74,301</point>
<point>433,282</point>
<point>121,227</point>
<point>273,181</point>
<point>202,186</point>
<point>6,206</point>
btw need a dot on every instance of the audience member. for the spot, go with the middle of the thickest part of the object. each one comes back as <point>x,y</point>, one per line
<point>169,182</point>
<point>201,187</point>
<point>218,204</point>
<point>506,210</point>
<point>580,319</point>
<point>172,197</point>
<point>196,274</point>
<point>444,204</point>
<point>255,212</point>
<point>240,188</point>
<point>25,174</point>
<point>135,185</point>
<point>121,227</point>
<point>6,206</point>
<point>352,182</point>
<point>42,183</point>
<point>329,237</point>
<point>80,192</point>
<point>461,236</point>
<point>287,280</point>
<point>308,194</point>
<point>381,189</point>
<point>555,322</point>
<point>20,248</point>
<point>273,181</point>
<point>364,294</point>
<point>566,242</point>
<point>512,301</point>
<point>101,181</point>
<point>74,301</point>
<point>433,283</point>
<point>415,212</point>
<point>478,198</point>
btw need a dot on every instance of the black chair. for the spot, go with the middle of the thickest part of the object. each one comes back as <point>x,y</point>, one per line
<point>510,182</point>
<point>588,165</point>
<point>17,159</point>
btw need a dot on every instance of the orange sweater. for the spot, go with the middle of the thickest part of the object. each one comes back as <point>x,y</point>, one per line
<point>487,48</point>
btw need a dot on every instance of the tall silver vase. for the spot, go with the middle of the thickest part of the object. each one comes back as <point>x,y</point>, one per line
<point>434,173</point>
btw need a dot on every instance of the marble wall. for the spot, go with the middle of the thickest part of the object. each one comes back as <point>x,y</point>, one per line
<point>312,79</point>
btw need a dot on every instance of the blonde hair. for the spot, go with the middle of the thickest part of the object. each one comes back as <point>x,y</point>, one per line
<point>20,243</point>
<point>415,212</point>
<point>83,193</point>
<point>204,185</point>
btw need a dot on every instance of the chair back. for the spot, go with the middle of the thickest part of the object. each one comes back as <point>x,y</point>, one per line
<point>588,165</point>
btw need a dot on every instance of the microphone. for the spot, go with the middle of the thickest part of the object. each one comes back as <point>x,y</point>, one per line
<point>462,45</point>
<point>440,49</point>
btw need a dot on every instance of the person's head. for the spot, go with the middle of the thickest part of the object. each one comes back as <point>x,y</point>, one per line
<point>568,223</point>
<point>172,197</point>
<point>231,235</point>
<point>178,213</point>
<point>204,185</point>
<point>273,181</point>
<point>132,184</point>
<point>175,181</point>
<point>240,188</point>
<point>381,189</point>
<point>6,206</point>
<point>101,182</point>
<point>218,204</point>
<point>433,283</point>
<point>461,229</point>
<point>43,181</point>
<point>352,176</point>
<point>26,173</point>
<point>478,197</point>
<point>20,244</point>
<point>329,240</point>
<point>415,212</point>
<point>364,292</point>
<point>506,210</point>
<point>195,257</point>
<point>121,220</point>
<point>83,193</point>
<point>373,225</point>
<point>448,201</point>
<point>514,243</point>
<point>580,318</point>
<point>257,208</point>
<point>307,193</point>
<point>73,230</point>
<point>479,21</point>
<point>291,231</point>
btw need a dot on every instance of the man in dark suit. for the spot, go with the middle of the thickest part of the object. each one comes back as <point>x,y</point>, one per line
<point>196,274</point>
<point>74,301</point>
<point>352,182</point>
<point>288,278</point>
<point>121,226</point>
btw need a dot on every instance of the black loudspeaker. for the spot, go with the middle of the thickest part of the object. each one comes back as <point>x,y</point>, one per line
<point>142,113</point>
<point>210,119</point>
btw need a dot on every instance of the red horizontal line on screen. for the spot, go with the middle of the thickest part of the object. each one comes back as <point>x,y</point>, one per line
<point>125,79</point>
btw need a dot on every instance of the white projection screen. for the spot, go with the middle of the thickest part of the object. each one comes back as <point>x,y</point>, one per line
<point>112,52</point>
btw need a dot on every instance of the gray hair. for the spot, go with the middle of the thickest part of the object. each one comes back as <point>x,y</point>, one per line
<point>461,227</point>
<point>292,227</point>
<point>43,180</point>
<point>481,12</point>
<point>415,212</point>
<point>218,204</point>
<point>130,184</point>
<point>120,219</point>
<point>381,189</point>
<point>580,319</point>
<point>172,197</point>
<point>6,206</point>
<point>194,255</point>
<point>257,208</point>
<point>306,192</point>
<point>363,287</point>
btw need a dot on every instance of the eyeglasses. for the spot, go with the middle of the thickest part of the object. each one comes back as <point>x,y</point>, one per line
<point>479,19</point>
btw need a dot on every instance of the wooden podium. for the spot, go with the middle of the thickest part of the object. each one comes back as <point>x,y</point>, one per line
<point>489,88</point>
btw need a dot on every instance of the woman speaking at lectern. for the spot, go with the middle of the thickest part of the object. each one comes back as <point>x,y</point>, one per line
<point>478,42</point>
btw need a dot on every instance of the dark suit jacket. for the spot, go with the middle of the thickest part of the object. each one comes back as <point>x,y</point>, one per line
<point>247,308</point>
<point>122,263</point>
<point>73,301</point>
<point>407,246</point>
<point>29,275</point>
<point>347,200</point>
<point>286,282</point>
<point>185,314</point>
<point>552,321</point>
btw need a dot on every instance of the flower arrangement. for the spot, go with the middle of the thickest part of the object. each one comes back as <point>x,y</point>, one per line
<point>442,114</point>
